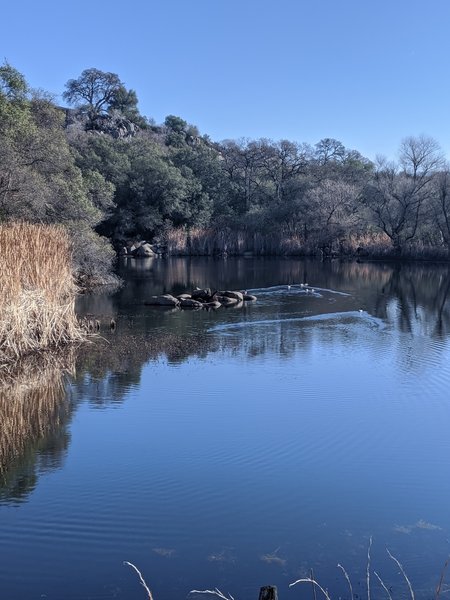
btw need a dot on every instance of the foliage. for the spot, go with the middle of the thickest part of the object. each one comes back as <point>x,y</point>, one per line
<point>40,181</point>
<point>105,169</point>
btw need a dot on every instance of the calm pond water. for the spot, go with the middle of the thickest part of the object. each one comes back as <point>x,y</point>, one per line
<point>235,448</point>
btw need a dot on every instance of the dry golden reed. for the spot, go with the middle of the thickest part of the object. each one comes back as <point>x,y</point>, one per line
<point>37,290</point>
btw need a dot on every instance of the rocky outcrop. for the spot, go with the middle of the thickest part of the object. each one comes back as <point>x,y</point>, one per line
<point>140,250</point>
<point>114,124</point>
<point>227,301</point>
<point>239,296</point>
<point>190,303</point>
<point>145,250</point>
<point>202,298</point>
<point>212,305</point>
<point>202,295</point>
<point>164,300</point>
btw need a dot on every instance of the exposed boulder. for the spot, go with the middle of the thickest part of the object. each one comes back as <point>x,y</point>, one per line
<point>164,300</point>
<point>214,305</point>
<point>227,301</point>
<point>190,303</point>
<point>204,294</point>
<point>202,298</point>
<point>145,250</point>
<point>239,296</point>
<point>114,123</point>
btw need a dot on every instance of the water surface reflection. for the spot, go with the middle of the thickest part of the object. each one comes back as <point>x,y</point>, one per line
<point>34,412</point>
<point>238,447</point>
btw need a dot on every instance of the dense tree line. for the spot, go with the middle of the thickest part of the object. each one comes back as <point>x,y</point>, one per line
<point>112,175</point>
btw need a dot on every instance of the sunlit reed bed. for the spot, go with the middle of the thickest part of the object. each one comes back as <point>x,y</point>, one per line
<point>37,290</point>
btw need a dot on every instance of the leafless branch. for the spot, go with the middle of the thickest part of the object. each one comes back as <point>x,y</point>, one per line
<point>348,580</point>
<point>141,579</point>
<point>314,582</point>
<point>411,591</point>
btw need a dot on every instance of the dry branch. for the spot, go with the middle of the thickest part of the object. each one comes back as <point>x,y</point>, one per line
<point>348,580</point>
<point>314,582</point>
<point>411,591</point>
<point>141,579</point>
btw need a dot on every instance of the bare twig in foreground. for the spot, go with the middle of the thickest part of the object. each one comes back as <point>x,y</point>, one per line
<point>403,573</point>
<point>441,580</point>
<point>215,592</point>
<point>383,584</point>
<point>314,582</point>
<point>368,568</point>
<point>348,580</point>
<point>312,585</point>
<point>142,580</point>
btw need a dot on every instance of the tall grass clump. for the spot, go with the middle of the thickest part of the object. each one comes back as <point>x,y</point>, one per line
<point>37,290</point>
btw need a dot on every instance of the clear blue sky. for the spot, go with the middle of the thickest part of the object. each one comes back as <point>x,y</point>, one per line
<point>367,73</point>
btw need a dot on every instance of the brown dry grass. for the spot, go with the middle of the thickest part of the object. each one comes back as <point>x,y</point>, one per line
<point>207,242</point>
<point>37,290</point>
<point>370,244</point>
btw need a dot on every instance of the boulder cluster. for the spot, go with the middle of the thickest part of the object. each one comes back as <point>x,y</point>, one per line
<point>142,250</point>
<point>199,298</point>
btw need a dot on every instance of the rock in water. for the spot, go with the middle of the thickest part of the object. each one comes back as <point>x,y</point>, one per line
<point>145,250</point>
<point>214,304</point>
<point>190,303</point>
<point>201,294</point>
<point>239,296</point>
<point>227,301</point>
<point>165,300</point>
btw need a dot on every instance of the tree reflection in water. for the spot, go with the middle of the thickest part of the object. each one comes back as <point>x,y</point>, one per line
<point>38,398</point>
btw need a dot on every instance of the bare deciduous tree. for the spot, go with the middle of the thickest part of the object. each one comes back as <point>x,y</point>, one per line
<point>399,192</point>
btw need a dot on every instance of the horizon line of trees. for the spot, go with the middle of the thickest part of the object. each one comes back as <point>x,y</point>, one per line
<point>110,175</point>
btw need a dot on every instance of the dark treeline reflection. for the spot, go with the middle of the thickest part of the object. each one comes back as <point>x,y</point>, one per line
<point>34,412</point>
<point>38,399</point>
